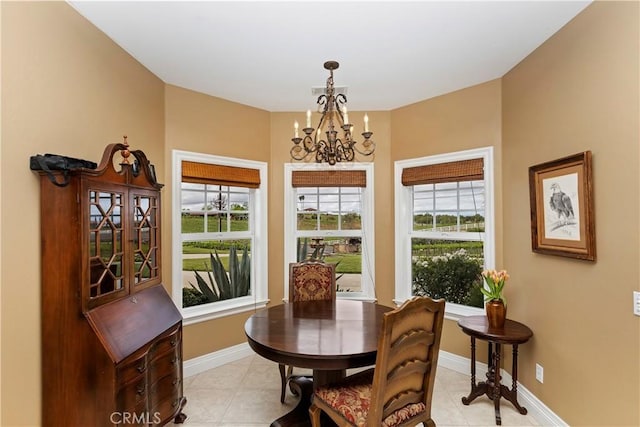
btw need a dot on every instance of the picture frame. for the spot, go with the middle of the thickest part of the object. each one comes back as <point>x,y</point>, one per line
<point>562,213</point>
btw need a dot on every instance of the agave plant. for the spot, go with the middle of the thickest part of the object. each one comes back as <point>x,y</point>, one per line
<point>302,252</point>
<point>222,285</point>
<point>302,249</point>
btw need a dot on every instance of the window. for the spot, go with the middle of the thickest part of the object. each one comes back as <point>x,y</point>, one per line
<point>219,235</point>
<point>329,211</point>
<point>444,227</point>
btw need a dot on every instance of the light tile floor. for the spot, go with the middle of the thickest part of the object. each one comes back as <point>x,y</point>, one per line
<point>246,393</point>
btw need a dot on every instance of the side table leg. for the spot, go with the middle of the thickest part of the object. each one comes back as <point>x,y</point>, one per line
<point>512,395</point>
<point>496,383</point>
<point>476,389</point>
<point>473,362</point>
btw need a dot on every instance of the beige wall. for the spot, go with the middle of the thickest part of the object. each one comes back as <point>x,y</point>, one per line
<point>462,120</point>
<point>577,92</point>
<point>66,89</point>
<point>209,125</point>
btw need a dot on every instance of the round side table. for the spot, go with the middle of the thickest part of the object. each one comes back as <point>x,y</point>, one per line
<point>513,333</point>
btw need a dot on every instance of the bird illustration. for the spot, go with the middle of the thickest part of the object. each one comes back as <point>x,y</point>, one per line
<point>561,203</point>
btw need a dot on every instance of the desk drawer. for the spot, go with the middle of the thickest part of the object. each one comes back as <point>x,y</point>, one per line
<point>167,343</point>
<point>167,388</point>
<point>165,396</point>
<point>132,369</point>
<point>168,364</point>
<point>167,409</point>
<point>133,398</point>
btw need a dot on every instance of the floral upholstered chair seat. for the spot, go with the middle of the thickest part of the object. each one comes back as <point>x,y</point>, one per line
<point>353,397</point>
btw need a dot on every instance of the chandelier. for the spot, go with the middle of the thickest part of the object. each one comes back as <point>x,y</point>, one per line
<point>331,148</point>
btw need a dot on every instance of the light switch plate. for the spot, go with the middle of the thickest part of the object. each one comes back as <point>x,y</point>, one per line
<point>539,373</point>
<point>636,303</point>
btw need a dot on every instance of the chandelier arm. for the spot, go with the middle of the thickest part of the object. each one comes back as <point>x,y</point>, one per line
<point>350,154</point>
<point>319,134</point>
<point>345,152</point>
<point>309,144</point>
<point>369,149</point>
<point>341,101</point>
<point>323,104</point>
<point>322,152</point>
<point>339,153</point>
<point>347,134</point>
<point>297,153</point>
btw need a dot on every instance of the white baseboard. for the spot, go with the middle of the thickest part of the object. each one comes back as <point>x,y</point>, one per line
<point>217,358</point>
<point>538,410</point>
<point>460,364</point>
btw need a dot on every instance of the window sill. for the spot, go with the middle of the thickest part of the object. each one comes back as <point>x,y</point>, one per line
<point>356,297</point>
<point>193,315</point>
<point>349,297</point>
<point>457,311</point>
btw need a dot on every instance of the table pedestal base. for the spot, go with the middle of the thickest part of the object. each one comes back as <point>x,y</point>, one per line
<point>489,389</point>
<point>299,416</point>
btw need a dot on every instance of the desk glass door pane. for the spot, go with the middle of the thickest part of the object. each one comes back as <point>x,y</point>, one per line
<point>105,242</point>
<point>145,238</point>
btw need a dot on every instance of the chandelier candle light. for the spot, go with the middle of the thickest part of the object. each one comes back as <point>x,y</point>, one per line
<point>333,149</point>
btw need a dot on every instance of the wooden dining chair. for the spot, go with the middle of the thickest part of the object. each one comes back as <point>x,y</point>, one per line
<point>308,281</point>
<point>398,390</point>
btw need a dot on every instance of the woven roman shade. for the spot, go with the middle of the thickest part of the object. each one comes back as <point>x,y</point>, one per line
<point>462,170</point>
<point>205,173</point>
<point>329,178</point>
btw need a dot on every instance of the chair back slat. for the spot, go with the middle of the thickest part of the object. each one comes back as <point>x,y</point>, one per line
<point>401,400</point>
<point>406,377</point>
<point>413,346</point>
<point>407,369</point>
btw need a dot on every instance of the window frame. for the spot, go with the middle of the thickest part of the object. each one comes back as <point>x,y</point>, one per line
<point>403,208</point>
<point>367,226</point>
<point>257,232</point>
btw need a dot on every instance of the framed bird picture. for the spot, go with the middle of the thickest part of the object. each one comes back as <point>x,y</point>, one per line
<point>561,196</point>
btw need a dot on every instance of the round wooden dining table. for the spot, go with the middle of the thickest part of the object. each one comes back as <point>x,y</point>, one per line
<point>328,337</point>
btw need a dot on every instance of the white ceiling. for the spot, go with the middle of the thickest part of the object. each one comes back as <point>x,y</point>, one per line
<point>270,54</point>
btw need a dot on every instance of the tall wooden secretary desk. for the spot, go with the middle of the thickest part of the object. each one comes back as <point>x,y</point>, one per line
<point>111,335</point>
